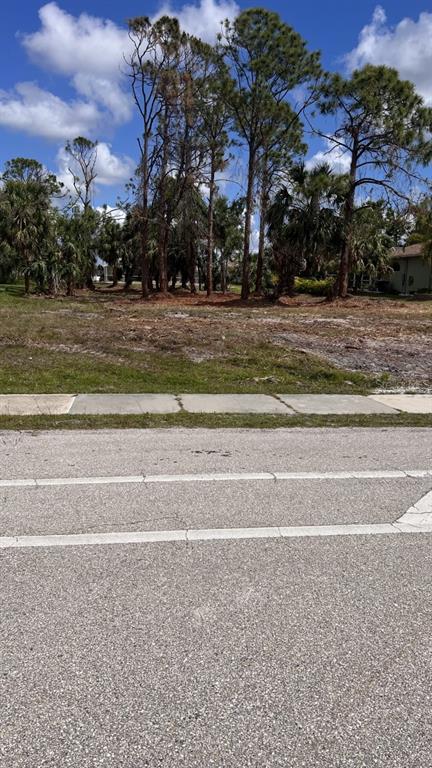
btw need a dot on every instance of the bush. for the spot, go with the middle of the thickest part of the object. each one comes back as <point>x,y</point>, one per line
<point>312,286</point>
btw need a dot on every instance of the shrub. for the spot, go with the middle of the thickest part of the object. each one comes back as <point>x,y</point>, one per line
<point>312,286</point>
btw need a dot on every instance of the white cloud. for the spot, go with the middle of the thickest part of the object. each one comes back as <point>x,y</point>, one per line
<point>70,44</point>
<point>338,160</point>
<point>40,113</point>
<point>88,50</point>
<point>116,213</point>
<point>407,47</point>
<point>107,94</point>
<point>202,20</point>
<point>111,169</point>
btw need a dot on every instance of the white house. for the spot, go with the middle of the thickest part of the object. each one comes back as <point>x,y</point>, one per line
<point>412,272</point>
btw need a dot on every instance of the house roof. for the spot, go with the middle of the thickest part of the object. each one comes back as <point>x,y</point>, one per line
<point>409,252</point>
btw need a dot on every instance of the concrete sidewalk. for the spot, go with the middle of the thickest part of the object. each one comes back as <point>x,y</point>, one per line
<point>135,404</point>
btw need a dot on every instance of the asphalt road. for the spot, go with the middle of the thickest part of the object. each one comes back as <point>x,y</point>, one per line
<point>309,652</point>
<point>129,451</point>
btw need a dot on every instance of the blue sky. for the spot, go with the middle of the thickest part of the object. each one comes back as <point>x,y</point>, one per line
<point>60,73</point>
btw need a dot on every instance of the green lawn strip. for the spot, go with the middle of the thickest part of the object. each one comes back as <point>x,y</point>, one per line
<point>212,421</point>
<point>257,370</point>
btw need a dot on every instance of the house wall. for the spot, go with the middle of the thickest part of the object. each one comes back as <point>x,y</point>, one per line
<point>414,274</point>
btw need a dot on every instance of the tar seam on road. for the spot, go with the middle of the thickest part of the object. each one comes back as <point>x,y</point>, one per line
<point>369,474</point>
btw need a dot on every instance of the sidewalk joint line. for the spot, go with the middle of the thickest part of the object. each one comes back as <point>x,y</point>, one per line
<point>180,403</point>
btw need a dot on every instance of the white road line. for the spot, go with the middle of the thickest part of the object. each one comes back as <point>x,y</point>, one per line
<point>313,475</point>
<point>424,505</point>
<point>422,524</point>
<point>90,539</point>
<point>17,483</point>
<point>209,476</point>
<point>212,534</point>
<point>138,537</point>
<point>89,480</point>
<point>417,517</point>
<point>372,473</point>
<point>369,474</point>
<point>367,529</point>
<point>206,534</point>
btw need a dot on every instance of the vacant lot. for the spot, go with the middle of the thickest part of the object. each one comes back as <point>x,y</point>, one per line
<point>108,341</point>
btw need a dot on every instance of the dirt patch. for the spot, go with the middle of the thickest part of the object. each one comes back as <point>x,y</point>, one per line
<point>373,336</point>
<point>408,361</point>
<point>370,335</point>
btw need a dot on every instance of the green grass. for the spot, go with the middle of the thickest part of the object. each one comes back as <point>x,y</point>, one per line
<point>212,421</point>
<point>265,370</point>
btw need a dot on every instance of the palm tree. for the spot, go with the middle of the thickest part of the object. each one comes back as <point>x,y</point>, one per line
<point>303,223</point>
<point>228,227</point>
<point>28,229</point>
<point>372,239</point>
<point>110,243</point>
<point>188,236</point>
<point>23,207</point>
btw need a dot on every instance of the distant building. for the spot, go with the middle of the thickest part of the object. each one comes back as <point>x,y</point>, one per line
<point>412,273</point>
<point>103,271</point>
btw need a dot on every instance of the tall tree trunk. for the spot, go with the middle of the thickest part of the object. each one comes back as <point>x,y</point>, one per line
<point>263,214</point>
<point>163,257</point>
<point>202,278</point>
<point>345,260</point>
<point>145,224</point>
<point>290,284</point>
<point>247,226</point>
<point>114,276</point>
<point>89,282</point>
<point>188,188</point>
<point>26,283</point>
<point>52,283</point>
<point>191,263</point>
<point>163,226</point>
<point>223,273</point>
<point>310,245</point>
<point>128,277</point>
<point>210,236</point>
<point>344,264</point>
